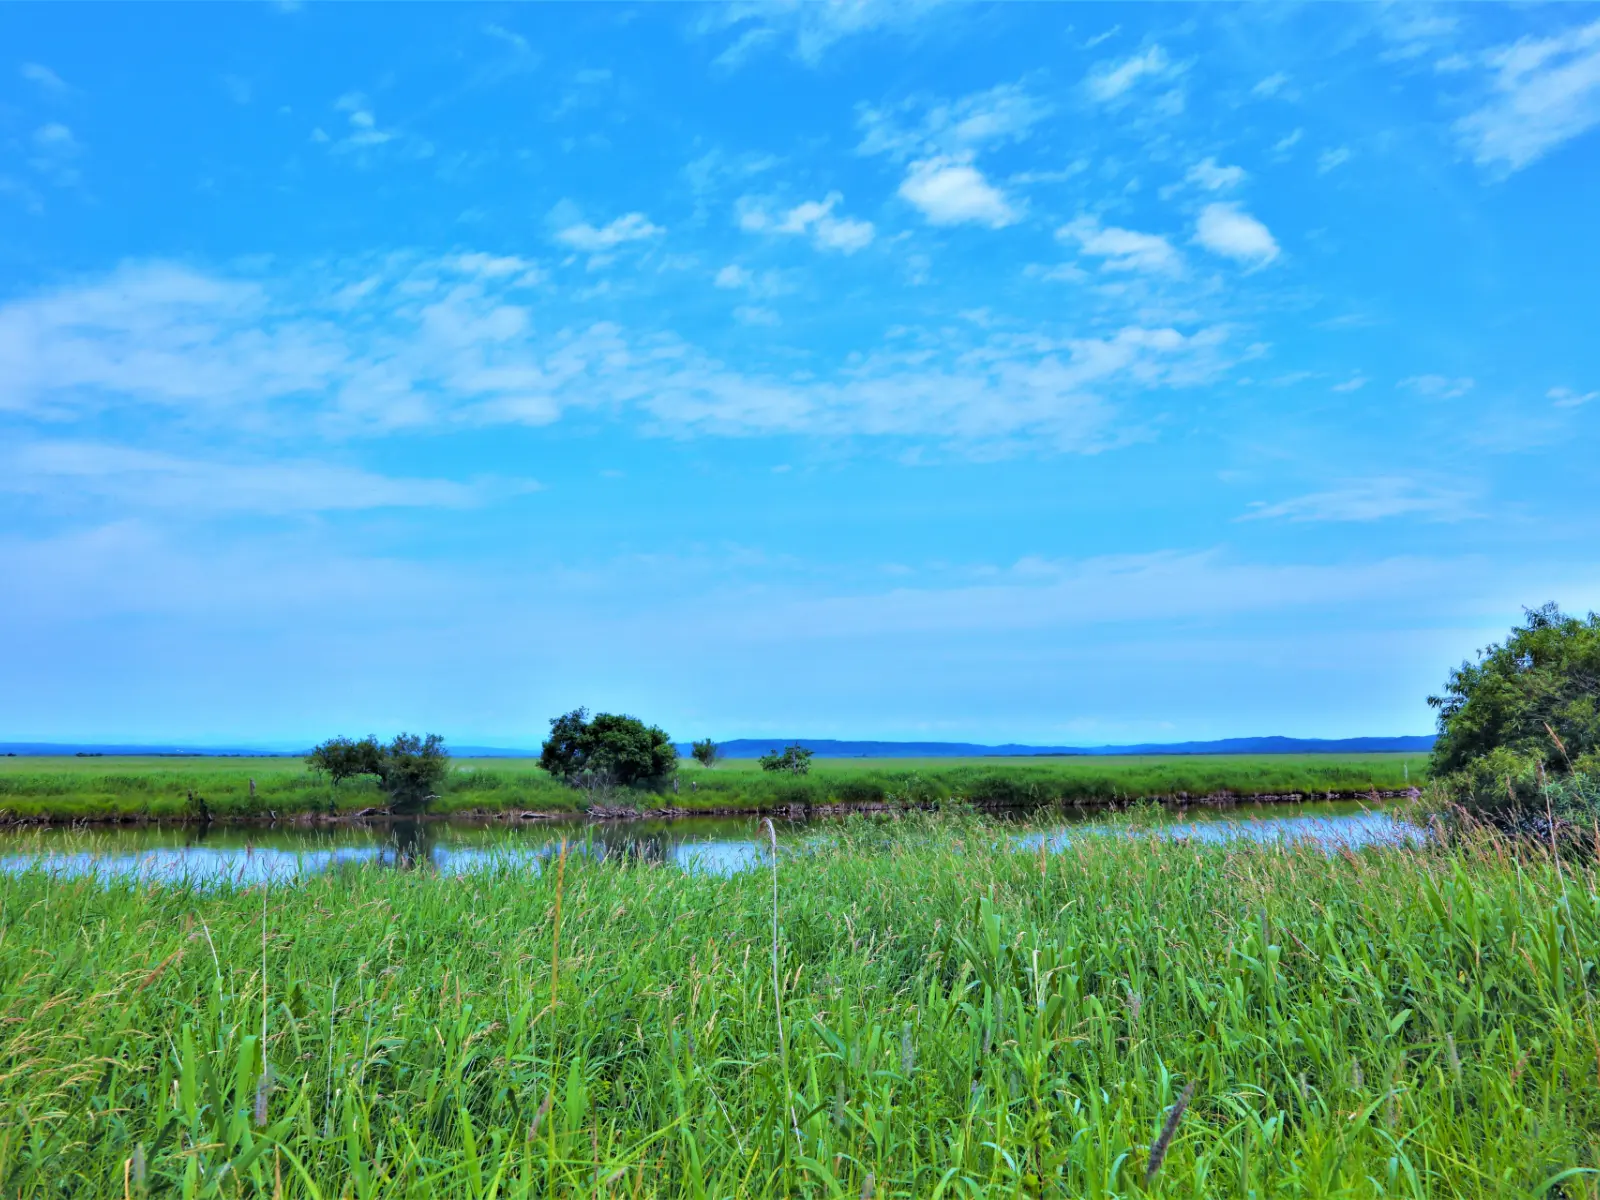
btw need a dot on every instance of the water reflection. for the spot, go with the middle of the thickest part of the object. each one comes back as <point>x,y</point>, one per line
<point>719,845</point>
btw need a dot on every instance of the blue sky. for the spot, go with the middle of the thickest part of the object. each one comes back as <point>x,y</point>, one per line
<point>1045,373</point>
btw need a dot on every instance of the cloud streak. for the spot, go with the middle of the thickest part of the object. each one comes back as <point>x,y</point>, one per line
<point>449,342</point>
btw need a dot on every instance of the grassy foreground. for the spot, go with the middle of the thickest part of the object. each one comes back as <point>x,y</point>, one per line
<point>68,789</point>
<point>957,1019</point>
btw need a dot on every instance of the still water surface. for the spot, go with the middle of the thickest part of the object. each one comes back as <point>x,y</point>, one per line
<point>721,845</point>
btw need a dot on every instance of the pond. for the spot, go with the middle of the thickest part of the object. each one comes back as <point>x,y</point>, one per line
<point>249,854</point>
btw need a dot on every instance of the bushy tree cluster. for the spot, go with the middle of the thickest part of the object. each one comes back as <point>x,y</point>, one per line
<point>608,749</point>
<point>409,768</point>
<point>1527,708</point>
<point>795,760</point>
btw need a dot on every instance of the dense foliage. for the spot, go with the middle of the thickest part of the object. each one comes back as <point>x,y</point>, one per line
<point>408,769</point>
<point>794,760</point>
<point>958,1018</point>
<point>85,789</point>
<point>1527,708</point>
<point>609,749</point>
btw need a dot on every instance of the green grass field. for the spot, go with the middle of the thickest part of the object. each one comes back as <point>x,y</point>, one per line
<point>914,1009</point>
<point>98,788</point>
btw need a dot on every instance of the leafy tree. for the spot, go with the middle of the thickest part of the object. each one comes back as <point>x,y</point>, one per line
<point>411,767</point>
<point>611,748</point>
<point>1528,706</point>
<point>565,753</point>
<point>706,752</point>
<point>408,768</point>
<point>342,758</point>
<point>796,760</point>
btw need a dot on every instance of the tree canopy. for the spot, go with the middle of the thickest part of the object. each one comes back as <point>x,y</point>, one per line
<point>409,768</point>
<point>609,748</point>
<point>1528,704</point>
<point>706,752</point>
<point>795,759</point>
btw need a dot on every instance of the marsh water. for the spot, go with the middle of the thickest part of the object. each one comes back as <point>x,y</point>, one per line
<point>249,854</point>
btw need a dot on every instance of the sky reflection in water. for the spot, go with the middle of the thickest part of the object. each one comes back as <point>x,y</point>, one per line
<point>718,845</point>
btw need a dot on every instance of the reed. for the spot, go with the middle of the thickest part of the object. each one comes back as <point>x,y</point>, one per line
<point>956,1021</point>
<point>174,789</point>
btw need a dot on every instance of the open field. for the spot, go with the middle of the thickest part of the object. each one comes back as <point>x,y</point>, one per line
<point>175,788</point>
<point>913,1009</point>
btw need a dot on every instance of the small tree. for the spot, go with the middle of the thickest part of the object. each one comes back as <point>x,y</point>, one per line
<point>796,760</point>
<point>706,753</point>
<point>342,758</point>
<point>610,748</point>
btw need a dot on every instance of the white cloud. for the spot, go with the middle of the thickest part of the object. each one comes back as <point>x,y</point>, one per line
<point>814,218</point>
<point>1368,500</point>
<point>1567,398</point>
<point>44,78</point>
<point>1271,85</point>
<point>1329,160</point>
<point>1209,175</point>
<point>810,28</point>
<point>632,227</point>
<point>1439,387</point>
<point>1123,249</point>
<point>1354,384</point>
<point>1545,91</point>
<point>755,314</point>
<point>138,479</point>
<point>1110,80</point>
<point>919,129</point>
<point>397,345</point>
<point>523,272</point>
<point>56,138</point>
<point>1228,230</point>
<point>1288,142</point>
<point>734,277</point>
<point>951,191</point>
<point>364,133</point>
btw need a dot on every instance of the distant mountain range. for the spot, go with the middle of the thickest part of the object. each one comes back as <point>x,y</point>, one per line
<point>821,747</point>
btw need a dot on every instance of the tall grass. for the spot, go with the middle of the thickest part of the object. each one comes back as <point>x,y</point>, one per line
<point>958,1018</point>
<point>87,789</point>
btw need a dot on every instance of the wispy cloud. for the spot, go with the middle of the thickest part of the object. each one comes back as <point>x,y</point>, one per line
<point>135,479</point>
<point>810,30</point>
<point>921,128</point>
<point>1036,593</point>
<point>1122,249</point>
<point>1213,177</point>
<point>1567,398</point>
<point>1330,160</point>
<point>631,227</point>
<point>1271,85</point>
<point>405,346</point>
<point>1228,230</point>
<point>1543,92</point>
<point>1110,81</point>
<point>813,218</point>
<point>43,78</point>
<point>1438,387</point>
<point>1373,499</point>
